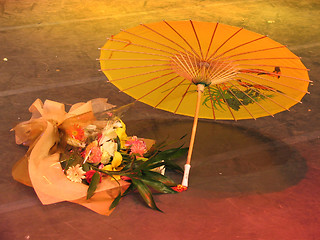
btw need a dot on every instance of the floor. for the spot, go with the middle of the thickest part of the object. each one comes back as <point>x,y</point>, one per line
<point>250,180</point>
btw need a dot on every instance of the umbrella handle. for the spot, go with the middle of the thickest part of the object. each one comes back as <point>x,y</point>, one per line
<point>200,89</point>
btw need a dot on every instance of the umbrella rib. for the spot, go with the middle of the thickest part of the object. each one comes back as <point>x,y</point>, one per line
<point>266,65</point>
<point>211,40</point>
<point>253,100</point>
<point>131,59</point>
<point>274,90</point>
<point>273,74</point>
<point>182,39</point>
<point>157,88</point>
<point>217,71</point>
<point>268,80</point>
<point>256,59</point>
<point>243,44</point>
<point>182,98</point>
<point>255,90</point>
<point>195,33</point>
<point>255,51</point>
<point>141,66</point>
<point>139,45</point>
<point>161,44</point>
<point>184,67</point>
<point>225,101</point>
<point>229,90</point>
<point>175,87</point>
<point>224,43</point>
<point>149,80</point>
<point>212,106</point>
<point>127,51</point>
<point>165,37</point>
<point>140,74</point>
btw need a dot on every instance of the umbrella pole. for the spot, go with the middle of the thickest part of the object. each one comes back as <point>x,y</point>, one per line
<point>187,166</point>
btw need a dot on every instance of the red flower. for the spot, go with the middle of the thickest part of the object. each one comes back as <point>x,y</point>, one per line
<point>180,188</point>
<point>89,176</point>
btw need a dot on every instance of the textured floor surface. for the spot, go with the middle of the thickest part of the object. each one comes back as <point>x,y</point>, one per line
<point>250,180</point>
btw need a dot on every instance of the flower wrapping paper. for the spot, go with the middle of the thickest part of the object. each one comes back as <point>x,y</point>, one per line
<point>40,168</point>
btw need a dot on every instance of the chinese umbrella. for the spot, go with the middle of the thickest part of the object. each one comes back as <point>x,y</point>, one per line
<point>206,70</point>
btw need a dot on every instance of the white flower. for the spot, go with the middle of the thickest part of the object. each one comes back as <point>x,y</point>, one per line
<point>109,147</point>
<point>75,173</point>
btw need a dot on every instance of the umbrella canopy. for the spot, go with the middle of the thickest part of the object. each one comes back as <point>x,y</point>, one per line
<point>206,70</point>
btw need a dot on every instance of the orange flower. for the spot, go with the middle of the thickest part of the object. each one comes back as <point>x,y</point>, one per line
<point>76,132</point>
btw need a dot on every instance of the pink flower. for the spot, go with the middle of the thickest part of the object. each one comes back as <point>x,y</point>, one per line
<point>93,153</point>
<point>89,175</point>
<point>137,146</point>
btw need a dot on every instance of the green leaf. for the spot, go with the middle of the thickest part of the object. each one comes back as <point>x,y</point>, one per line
<point>173,166</point>
<point>132,187</point>
<point>157,185</point>
<point>93,185</point>
<point>145,193</point>
<point>159,177</point>
<point>115,201</point>
<point>86,167</point>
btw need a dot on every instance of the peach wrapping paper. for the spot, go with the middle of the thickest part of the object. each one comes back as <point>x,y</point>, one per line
<point>41,169</point>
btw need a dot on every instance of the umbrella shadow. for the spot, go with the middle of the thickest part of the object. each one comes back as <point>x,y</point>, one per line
<point>229,160</point>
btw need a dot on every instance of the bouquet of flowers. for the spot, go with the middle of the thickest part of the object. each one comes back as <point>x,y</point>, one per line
<point>82,155</point>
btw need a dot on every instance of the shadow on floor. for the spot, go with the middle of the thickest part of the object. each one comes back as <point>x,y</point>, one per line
<point>229,160</point>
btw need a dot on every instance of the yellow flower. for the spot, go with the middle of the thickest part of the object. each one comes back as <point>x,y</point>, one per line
<point>114,166</point>
<point>121,133</point>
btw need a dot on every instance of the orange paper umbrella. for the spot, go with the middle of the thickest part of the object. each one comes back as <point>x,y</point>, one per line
<point>205,70</point>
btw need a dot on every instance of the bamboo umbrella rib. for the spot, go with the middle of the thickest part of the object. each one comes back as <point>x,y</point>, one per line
<point>273,90</point>
<point>195,33</point>
<point>276,74</point>
<point>272,100</point>
<point>182,98</point>
<point>161,85</point>
<point>190,65</point>
<point>264,109</point>
<point>229,90</point>
<point>224,43</point>
<point>266,65</point>
<point>127,51</point>
<point>130,67</point>
<point>139,45</point>
<point>175,87</point>
<point>161,44</point>
<point>132,59</point>
<point>225,101</point>
<point>194,63</point>
<point>140,74</point>
<point>211,101</point>
<point>282,84</point>
<point>211,40</point>
<point>258,59</point>
<point>149,80</point>
<point>244,53</point>
<point>224,77</point>
<point>187,69</point>
<point>217,71</point>
<point>192,49</point>
<point>170,40</point>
